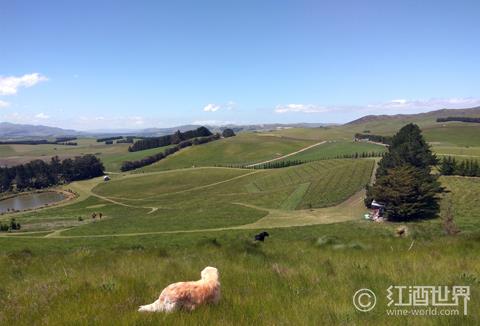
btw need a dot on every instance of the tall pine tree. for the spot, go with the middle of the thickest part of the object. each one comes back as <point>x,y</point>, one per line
<point>404,182</point>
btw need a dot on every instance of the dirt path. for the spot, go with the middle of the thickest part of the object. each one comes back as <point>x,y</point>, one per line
<point>290,154</point>
<point>461,155</point>
<point>348,210</point>
<point>275,218</point>
<point>374,142</point>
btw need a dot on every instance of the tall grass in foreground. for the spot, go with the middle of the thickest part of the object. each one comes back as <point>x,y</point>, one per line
<point>297,277</point>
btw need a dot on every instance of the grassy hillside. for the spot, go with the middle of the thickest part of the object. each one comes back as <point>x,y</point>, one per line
<point>450,133</point>
<point>201,198</point>
<point>317,184</point>
<point>112,156</point>
<point>113,161</point>
<point>447,138</point>
<point>242,149</point>
<point>166,222</point>
<point>312,270</point>
<point>333,149</point>
<point>454,134</point>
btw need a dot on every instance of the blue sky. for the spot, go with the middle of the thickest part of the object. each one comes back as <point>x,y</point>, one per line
<point>135,64</point>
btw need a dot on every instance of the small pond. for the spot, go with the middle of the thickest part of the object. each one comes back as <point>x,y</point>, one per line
<point>32,200</point>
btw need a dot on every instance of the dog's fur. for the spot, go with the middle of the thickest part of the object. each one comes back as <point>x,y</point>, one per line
<point>188,295</point>
<point>261,236</point>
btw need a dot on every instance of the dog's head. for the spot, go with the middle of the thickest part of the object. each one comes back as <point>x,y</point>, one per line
<point>210,274</point>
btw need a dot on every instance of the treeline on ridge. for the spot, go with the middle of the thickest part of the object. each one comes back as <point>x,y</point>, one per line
<point>287,163</point>
<point>461,119</point>
<point>57,141</point>
<point>131,165</point>
<point>99,140</point>
<point>176,138</point>
<point>38,174</point>
<point>466,168</point>
<point>375,138</point>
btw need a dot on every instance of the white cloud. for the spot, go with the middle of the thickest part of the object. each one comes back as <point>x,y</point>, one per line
<point>4,104</point>
<point>212,122</point>
<point>230,105</point>
<point>212,107</point>
<point>429,104</point>
<point>389,107</point>
<point>138,121</point>
<point>303,108</point>
<point>9,85</point>
<point>42,116</point>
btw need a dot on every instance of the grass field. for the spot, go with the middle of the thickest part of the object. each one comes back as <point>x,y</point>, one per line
<point>312,270</point>
<point>445,134</point>
<point>245,148</point>
<point>201,198</point>
<point>113,161</point>
<point>166,222</point>
<point>334,149</point>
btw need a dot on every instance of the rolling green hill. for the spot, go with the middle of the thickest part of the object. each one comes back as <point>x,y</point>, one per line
<point>164,223</point>
<point>202,198</point>
<point>334,149</point>
<point>104,279</point>
<point>242,149</point>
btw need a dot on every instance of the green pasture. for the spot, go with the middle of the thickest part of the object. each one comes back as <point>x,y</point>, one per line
<point>334,149</point>
<point>113,161</point>
<point>245,148</point>
<point>445,134</point>
<point>201,198</point>
<point>166,222</point>
<point>454,134</point>
<point>312,270</point>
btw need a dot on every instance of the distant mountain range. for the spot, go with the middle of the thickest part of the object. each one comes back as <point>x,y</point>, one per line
<point>14,131</point>
<point>19,131</point>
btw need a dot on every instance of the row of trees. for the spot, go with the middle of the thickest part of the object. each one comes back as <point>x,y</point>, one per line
<point>404,183</point>
<point>131,165</point>
<point>127,140</point>
<point>57,141</point>
<point>287,163</point>
<point>461,119</point>
<point>100,140</point>
<point>361,155</point>
<point>176,138</point>
<point>468,168</point>
<point>65,139</point>
<point>39,174</point>
<point>375,138</point>
<point>68,143</point>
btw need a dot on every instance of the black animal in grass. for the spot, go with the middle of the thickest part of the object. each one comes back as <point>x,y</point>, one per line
<point>261,236</point>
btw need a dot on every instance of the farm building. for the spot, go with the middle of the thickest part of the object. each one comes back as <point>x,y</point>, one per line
<point>377,211</point>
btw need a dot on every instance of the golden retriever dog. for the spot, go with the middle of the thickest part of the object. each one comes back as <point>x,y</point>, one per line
<point>188,295</point>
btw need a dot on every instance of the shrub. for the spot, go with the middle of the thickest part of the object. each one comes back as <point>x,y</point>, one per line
<point>228,133</point>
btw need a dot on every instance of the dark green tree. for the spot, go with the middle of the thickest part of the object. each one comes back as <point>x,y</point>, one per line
<point>404,182</point>
<point>408,193</point>
<point>448,166</point>
<point>228,133</point>
<point>408,147</point>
